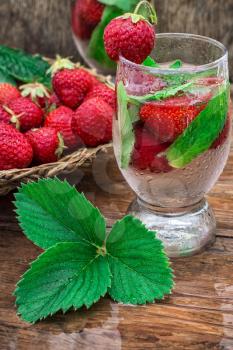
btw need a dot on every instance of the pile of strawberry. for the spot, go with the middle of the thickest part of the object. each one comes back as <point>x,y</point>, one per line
<point>37,125</point>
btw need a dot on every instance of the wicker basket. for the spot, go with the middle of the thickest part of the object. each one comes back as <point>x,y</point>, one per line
<point>10,179</point>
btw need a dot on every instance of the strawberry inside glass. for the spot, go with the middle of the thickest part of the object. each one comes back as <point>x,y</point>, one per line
<point>172,136</point>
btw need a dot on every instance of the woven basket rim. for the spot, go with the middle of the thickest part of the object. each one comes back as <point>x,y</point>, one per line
<point>62,160</point>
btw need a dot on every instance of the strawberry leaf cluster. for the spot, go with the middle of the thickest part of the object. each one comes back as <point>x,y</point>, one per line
<point>81,261</point>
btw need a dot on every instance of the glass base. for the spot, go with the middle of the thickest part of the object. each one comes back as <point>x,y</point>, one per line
<point>183,231</point>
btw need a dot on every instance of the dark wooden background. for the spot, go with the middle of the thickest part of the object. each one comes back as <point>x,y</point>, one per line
<point>44,25</point>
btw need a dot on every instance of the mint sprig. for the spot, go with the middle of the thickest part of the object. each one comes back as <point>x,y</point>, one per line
<point>82,262</point>
<point>24,67</point>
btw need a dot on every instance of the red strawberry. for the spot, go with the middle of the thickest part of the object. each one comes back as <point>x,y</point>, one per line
<point>103,91</point>
<point>80,28</point>
<point>71,86</point>
<point>90,11</point>
<point>169,118</point>
<point>26,113</point>
<point>93,122</point>
<point>8,93</point>
<point>146,150</point>
<point>94,80</point>
<point>54,100</point>
<point>133,39</point>
<point>15,150</point>
<point>4,116</point>
<point>160,164</point>
<point>37,92</point>
<point>61,119</point>
<point>47,144</point>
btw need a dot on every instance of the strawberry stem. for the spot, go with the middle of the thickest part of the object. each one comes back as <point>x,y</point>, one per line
<point>61,146</point>
<point>14,117</point>
<point>147,10</point>
<point>59,64</point>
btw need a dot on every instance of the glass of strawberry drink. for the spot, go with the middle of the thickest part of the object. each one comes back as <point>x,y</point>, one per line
<point>172,137</point>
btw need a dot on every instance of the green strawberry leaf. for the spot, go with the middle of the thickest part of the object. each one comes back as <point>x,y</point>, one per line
<point>139,267</point>
<point>66,275</point>
<point>125,5</point>
<point>160,95</point>
<point>51,211</point>
<point>96,48</point>
<point>80,264</point>
<point>24,67</point>
<point>150,62</point>
<point>127,137</point>
<point>201,132</point>
<point>6,78</point>
<point>176,64</point>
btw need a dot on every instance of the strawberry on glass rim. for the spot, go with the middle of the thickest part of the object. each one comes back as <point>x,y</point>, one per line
<point>89,18</point>
<point>172,139</point>
<point>131,35</point>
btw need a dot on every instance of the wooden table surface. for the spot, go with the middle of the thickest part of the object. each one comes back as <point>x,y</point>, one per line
<point>198,315</point>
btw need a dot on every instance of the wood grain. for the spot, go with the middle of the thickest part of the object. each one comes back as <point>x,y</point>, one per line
<point>44,25</point>
<point>197,316</point>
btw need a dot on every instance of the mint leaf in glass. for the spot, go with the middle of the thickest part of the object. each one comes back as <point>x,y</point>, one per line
<point>66,275</point>
<point>150,62</point>
<point>176,64</point>
<point>201,132</point>
<point>127,137</point>
<point>96,49</point>
<point>181,77</point>
<point>52,211</point>
<point>162,94</point>
<point>139,267</point>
